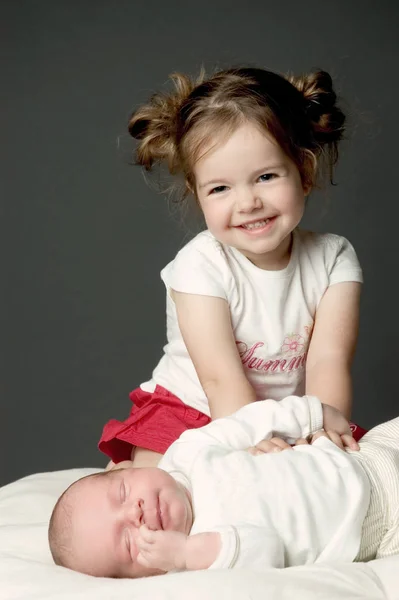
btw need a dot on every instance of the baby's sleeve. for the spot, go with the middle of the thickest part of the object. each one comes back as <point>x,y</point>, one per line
<point>343,262</point>
<point>199,268</point>
<point>248,546</point>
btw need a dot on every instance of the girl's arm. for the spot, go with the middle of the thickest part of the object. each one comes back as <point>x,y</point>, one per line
<point>205,325</point>
<point>332,347</point>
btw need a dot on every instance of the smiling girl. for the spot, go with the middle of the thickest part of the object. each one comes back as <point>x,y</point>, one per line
<point>256,307</point>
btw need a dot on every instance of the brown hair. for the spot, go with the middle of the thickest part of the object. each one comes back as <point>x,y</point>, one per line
<point>300,113</point>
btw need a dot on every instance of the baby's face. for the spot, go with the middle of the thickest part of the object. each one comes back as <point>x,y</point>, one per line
<point>110,507</point>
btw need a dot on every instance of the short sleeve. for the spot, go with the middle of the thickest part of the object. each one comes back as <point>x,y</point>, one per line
<point>199,268</point>
<point>344,262</point>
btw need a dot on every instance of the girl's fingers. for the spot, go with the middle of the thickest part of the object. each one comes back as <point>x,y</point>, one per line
<point>331,435</point>
<point>301,442</point>
<point>266,446</point>
<point>317,435</point>
<point>254,451</point>
<point>350,442</point>
<point>336,438</point>
<point>277,444</point>
<point>281,443</point>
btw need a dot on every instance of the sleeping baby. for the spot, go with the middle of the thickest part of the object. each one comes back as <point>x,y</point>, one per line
<point>213,504</point>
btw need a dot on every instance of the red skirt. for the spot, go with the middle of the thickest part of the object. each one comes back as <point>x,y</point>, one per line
<point>156,420</point>
<point>357,431</point>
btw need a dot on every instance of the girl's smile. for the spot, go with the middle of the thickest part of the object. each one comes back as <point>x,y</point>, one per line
<point>258,227</point>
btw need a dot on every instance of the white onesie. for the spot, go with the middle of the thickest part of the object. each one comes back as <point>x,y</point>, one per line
<point>295,507</point>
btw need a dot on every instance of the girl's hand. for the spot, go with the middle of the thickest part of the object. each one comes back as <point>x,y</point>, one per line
<point>342,441</point>
<point>165,550</point>
<point>336,427</point>
<point>275,444</point>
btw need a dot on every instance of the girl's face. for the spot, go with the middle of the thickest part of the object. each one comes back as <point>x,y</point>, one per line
<point>251,195</point>
<point>108,510</point>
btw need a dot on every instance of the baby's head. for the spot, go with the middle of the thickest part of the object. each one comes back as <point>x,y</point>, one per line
<point>94,523</point>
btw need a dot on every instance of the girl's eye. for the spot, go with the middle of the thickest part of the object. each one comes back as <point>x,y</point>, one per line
<point>267,176</point>
<point>218,189</point>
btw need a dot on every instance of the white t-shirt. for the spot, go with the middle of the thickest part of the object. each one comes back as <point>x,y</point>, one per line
<point>272,312</point>
<point>296,507</point>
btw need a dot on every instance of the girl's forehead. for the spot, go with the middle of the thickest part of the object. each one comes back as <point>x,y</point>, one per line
<point>250,134</point>
<point>244,145</point>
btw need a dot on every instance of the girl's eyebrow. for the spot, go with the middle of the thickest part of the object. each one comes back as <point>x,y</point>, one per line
<point>271,167</point>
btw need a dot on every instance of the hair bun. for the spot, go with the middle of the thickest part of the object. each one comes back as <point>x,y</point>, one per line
<point>155,124</point>
<point>326,117</point>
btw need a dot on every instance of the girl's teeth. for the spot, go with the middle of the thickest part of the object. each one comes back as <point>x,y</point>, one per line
<point>256,225</point>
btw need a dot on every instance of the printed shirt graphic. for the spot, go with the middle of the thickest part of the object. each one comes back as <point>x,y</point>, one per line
<point>272,312</point>
<point>292,355</point>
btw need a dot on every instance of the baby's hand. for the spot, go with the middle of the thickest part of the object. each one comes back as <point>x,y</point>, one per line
<point>165,550</point>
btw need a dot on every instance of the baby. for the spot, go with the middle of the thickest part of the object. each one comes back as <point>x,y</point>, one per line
<point>213,504</point>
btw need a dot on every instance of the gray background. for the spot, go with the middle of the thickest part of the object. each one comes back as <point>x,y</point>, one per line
<point>84,238</point>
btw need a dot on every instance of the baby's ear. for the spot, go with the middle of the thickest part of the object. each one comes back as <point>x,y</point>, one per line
<point>125,464</point>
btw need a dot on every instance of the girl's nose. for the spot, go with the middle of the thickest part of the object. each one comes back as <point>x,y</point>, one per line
<point>247,201</point>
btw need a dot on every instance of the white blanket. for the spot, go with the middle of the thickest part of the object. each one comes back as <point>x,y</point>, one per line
<point>27,571</point>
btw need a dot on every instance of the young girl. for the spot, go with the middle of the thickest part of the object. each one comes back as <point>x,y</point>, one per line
<point>256,308</point>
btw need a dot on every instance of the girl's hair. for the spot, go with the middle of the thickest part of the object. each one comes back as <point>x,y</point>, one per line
<point>300,113</point>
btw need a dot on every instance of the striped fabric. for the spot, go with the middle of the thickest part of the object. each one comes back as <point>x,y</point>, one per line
<point>379,456</point>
